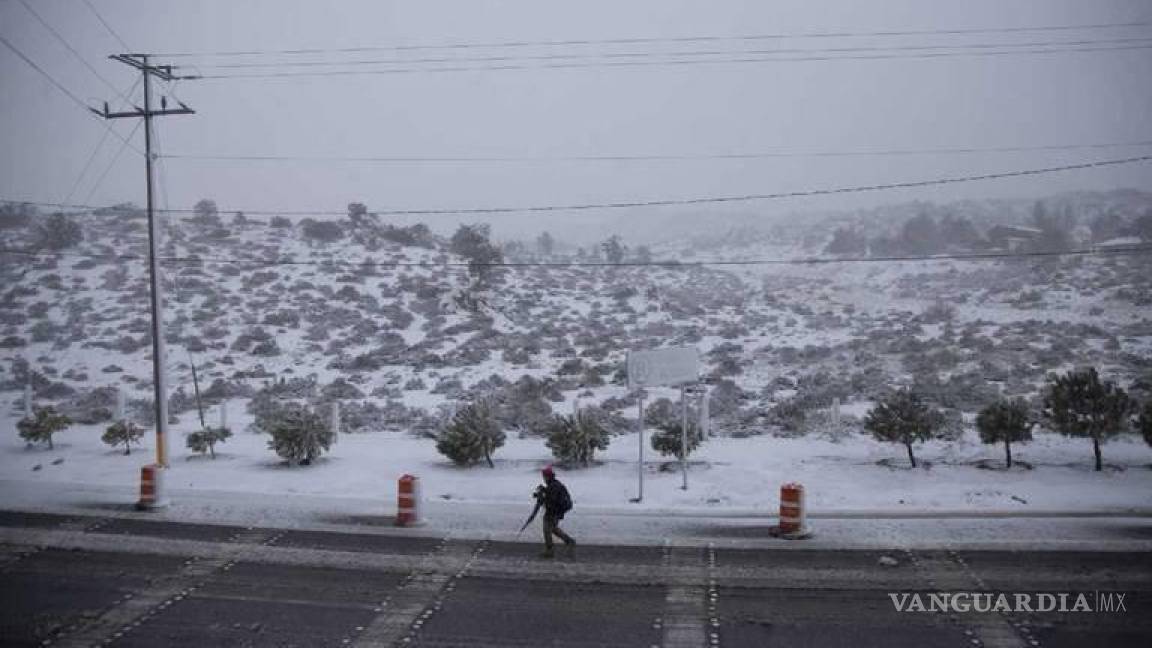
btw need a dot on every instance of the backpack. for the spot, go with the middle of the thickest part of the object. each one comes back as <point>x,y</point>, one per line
<point>565,501</point>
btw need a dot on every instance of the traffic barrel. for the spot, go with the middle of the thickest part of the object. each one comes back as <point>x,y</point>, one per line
<point>151,487</point>
<point>408,502</point>
<point>793,517</point>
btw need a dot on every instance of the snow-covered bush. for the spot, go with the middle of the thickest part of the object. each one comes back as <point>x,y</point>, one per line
<point>1007,422</point>
<point>667,441</point>
<point>91,407</point>
<point>123,432</point>
<point>472,434</point>
<point>205,440</point>
<point>903,418</point>
<point>299,434</point>
<point>43,423</point>
<point>574,440</point>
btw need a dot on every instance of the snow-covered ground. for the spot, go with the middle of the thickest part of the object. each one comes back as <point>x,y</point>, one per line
<point>727,475</point>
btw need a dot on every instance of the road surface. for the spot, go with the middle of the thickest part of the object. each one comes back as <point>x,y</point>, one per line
<point>85,580</point>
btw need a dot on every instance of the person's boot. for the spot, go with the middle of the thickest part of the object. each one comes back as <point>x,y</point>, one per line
<point>547,553</point>
<point>570,545</point>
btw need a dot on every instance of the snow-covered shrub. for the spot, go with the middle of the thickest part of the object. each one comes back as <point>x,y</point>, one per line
<point>667,441</point>
<point>59,232</point>
<point>1007,422</point>
<point>205,440</point>
<point>299,433</point>
<point>472,434</point>
<point>574,440</point>
<point>42,425</point>
<point>903,418</point>
<point>123,432</point>
<point>1079,404</point>
<point>90,407</point>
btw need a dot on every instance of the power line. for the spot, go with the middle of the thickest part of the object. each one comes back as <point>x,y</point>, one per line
<point>92,156</point>
<point>669,202</point>
<point>112,163</point>
<point>71,49</point>
<point>649,40</point>
<point>671,63</point>
<point>693,53</point>
<point>676,264</point>
<point>107,26</point>
<point>62,89</point>
<point>656,157</point>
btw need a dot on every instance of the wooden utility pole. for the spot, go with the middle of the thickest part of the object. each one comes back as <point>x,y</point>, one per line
<point>159,379</point>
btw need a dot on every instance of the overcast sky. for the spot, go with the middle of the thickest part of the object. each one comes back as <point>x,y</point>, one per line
<point>686,110</point>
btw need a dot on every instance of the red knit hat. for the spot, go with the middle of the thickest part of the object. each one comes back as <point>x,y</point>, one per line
<point>548,472</point>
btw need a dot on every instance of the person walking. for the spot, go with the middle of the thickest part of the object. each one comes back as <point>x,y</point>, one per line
<point>553,497</point>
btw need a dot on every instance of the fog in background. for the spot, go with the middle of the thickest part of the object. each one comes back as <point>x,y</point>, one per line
<point>726,108</point>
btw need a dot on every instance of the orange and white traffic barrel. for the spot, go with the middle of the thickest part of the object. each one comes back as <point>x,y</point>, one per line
<point>151,487</point>
<point>408,502</point>
<point>793,517</point>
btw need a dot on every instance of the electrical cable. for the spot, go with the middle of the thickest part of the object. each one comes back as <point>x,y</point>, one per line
<point>672,63</point>
<point>648,40</point>
<point>674,264</point>
<point>657,157</point>
<point>654,54</point>
<point>92,157</point>
<point>71,49</point>
<point>108,27</point>
<point>112,162</point>
<point>804,193</point>
<point>64,90</point>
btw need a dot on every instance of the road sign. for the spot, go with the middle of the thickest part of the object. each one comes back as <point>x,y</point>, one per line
<point>663,367</point>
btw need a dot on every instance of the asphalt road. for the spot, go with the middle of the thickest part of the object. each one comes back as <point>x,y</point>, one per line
<point>87,580</point>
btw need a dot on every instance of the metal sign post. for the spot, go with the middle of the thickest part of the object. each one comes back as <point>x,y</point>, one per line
<point>684,436</point>
<point>662,367</point>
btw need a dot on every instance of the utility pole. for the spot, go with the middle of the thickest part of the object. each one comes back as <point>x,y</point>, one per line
<point>159,381</point>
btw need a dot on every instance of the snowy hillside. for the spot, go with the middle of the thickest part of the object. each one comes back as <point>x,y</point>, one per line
<point>400,334</point>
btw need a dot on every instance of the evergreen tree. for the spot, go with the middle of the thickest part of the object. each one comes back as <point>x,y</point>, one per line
<point>125,432</point>
<point>1079,404</point>
<point>614,249</point>
<point>904,418</point>
<point>205,440</point>
<point>1007,422</point>
<point>473,243</point>
<point>43,423</point>
<point>545,243</point>
<point>575,439</point>
<point>298,433</point>
<point>472,434</point>
<point>1144,423</point>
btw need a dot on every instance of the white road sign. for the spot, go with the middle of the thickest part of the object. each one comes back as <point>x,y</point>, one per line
<point>663,367</point>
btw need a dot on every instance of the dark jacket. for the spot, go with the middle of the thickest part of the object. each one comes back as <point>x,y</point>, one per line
<point>554,496</point>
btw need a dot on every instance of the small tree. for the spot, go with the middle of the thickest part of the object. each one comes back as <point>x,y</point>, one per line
<point>1144,423</point>
<point>903,418</point>
<point>1079,404</point>
<point>125,432</point>
<point>575,439</point>
<point>298,433</point>
<point>472,434</point>
<point>43,423</point>
<point>1007,422</point>
<point>667,440</point>
<point>205,440</point>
